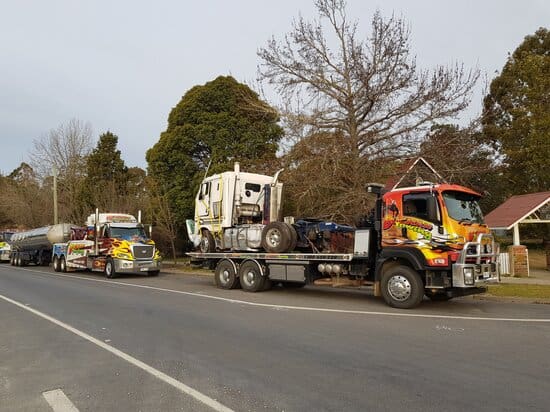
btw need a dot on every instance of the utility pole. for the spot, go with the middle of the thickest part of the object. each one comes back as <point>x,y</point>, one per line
<point>54,171</point>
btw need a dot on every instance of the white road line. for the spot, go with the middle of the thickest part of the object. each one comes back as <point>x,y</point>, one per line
<point>59,401</point>
<point>299,308</point>
<point>212,403</point>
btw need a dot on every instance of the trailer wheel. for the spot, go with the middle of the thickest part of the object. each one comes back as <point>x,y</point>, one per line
<point>402,287</point>
<point>110,269</point>
<point>277,237</point>
<point>250,276</point>
<point>225,275</point>
<point>18,261</point>
<point>207,243</point>
<point>62,264</point>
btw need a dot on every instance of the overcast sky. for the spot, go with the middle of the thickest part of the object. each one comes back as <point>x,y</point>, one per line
<point>122,65</point>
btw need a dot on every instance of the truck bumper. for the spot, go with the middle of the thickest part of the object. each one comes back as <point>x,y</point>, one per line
<point>136,266</point>
<point>472,275</point>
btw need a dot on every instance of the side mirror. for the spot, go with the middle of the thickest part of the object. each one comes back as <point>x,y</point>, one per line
<point>375,188</point>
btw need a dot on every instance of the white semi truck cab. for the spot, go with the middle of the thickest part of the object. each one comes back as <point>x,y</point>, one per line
<point>232,209</point>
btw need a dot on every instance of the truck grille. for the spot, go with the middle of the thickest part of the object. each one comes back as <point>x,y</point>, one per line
<point>144,252</point>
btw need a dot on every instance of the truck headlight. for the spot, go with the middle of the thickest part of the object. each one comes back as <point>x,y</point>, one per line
<point>468,276</point>
<point>122,255</point>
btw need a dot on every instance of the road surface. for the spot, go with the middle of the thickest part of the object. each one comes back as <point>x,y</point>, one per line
<point>177,343</point>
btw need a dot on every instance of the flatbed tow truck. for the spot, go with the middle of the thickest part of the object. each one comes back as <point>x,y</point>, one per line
<point>427,240</point>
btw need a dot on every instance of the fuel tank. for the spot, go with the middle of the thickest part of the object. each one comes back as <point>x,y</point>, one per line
<point>42,237</point>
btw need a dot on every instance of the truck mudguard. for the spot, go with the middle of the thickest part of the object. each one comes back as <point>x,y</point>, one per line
<point>412,255</point>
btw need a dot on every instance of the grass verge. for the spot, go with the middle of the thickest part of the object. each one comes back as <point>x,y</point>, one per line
<point>520,291</point>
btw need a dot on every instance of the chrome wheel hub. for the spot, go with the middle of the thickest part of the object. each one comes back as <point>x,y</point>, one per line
<point>399,288</point>
<point>274,237</point>
<point>225,276</point>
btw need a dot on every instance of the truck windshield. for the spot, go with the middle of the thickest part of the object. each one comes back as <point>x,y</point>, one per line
<point>128,233</point>
<point>463,207</point>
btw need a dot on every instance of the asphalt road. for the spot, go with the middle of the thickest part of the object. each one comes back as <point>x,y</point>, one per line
<point>177,343</point>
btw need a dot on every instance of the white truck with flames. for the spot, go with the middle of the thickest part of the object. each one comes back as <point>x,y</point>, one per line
<point>113,243</point>
<point>427,240</point>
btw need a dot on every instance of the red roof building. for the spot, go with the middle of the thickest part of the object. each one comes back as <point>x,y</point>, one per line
<point>530,208</point>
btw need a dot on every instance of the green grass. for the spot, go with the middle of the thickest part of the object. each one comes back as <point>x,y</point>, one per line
<point>520,291</point>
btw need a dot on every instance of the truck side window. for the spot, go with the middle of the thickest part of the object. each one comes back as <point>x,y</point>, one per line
<point>205,190</point>
<point>253,187</point>
<point>422,206</point>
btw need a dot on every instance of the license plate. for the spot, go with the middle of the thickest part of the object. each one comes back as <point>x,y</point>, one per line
<point>144,269</point>
<point>486,275</point>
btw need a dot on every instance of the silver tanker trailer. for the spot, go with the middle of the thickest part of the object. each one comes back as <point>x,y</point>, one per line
<point>35,245</point>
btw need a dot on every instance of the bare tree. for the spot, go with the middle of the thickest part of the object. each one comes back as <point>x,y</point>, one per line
<point>66,149</point>
<point>369,90</point>
<point>358,103</point>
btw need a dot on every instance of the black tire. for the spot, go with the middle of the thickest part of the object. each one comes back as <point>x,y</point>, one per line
<point>225,275</point>
<point>62,264</point>
<point>293,238</point>
<point>250,276</point>
<point>402,287</point>
<point>438,297</point>
<point>153,273</point>
<point>18,261</point>
<point>12,260</point>
<point>56,267</point>
<point>277,237</point>
<point>207,244</point>
<point>109,270</point>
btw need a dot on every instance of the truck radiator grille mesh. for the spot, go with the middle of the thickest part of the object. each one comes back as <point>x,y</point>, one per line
<point>144,252</point>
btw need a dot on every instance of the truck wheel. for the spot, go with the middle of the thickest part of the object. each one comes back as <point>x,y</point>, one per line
<point>293,238</point>
<point>62,264</point>
<point>225,275</point>
<point>207,244</point>
<point>110,269</point>
<point>402,287</point>
<point>251,277</point>
<point>277,237</point>
<point>56,264</point>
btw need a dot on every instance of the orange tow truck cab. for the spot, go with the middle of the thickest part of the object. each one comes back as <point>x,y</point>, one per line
<point>439,229</point>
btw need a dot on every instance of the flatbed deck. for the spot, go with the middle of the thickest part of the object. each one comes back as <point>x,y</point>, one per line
<point>345,257</point>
